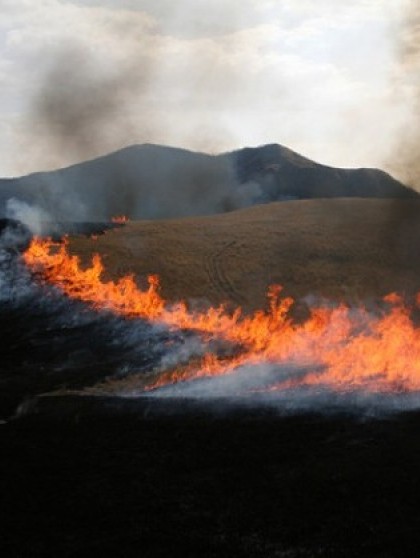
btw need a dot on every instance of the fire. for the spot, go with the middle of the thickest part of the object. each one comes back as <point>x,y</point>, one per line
<point>120,219</point>
<point>339,346</point>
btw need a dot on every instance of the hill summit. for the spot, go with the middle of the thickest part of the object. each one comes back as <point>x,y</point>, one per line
<point>152,181</point>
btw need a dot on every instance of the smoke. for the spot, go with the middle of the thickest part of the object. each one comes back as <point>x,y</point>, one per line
<point>250,387</point>
<point>80,110</point>
<point>131,80</point>
<point>142,182</point>
<point>407,86</point>
<point>90,102</point>
<point>35,218</point>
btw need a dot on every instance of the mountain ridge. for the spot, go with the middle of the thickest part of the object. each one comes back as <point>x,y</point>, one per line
<point>149,181</point>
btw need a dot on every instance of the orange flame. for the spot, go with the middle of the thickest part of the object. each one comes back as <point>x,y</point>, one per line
<point>343,347</point>
<point>120,219</point>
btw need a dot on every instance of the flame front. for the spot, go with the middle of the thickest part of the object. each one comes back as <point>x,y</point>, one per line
<point>120,219</point>
<point>340,346</point>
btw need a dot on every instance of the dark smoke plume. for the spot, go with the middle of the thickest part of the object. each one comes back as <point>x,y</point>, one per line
<point>84,108</point>
<point>80,110</point>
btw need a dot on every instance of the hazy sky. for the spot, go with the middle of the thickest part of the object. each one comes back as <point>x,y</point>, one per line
<point>81,78</point>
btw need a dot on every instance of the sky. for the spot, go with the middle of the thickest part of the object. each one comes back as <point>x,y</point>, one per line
<point>324,77</point>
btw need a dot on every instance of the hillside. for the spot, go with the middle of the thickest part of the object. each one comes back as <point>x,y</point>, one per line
<point>151,181</point>
<point>337,248</point>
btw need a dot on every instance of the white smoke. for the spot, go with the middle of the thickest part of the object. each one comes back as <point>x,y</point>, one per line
<point>251,386</point>
<point>35,218</point>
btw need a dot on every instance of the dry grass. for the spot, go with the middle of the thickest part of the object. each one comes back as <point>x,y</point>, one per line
<point>337,248</point>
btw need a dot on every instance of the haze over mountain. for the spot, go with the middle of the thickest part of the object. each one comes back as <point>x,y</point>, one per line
<point>151,181</point>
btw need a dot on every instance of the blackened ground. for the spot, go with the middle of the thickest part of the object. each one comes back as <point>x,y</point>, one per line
<point>49,342</point>
<point>63,346</point>
<point>196,483</point>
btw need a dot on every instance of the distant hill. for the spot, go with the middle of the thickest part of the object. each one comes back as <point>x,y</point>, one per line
<point>282,173</point>
<point>152,181</point>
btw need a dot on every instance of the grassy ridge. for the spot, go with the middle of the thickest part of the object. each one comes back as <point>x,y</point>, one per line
<point>337,248</point>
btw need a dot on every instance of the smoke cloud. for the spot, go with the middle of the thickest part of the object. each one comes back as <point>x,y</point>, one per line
<point>80,110</point>
<point>163,63</point>
<point>91,99</point>
<point>34,218</point>
<point>90,103</point>
<point>407,85</point>
<point>250,387</point>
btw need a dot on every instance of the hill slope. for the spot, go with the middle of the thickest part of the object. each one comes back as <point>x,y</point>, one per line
<point>341,248</point>
<point>150,181</point>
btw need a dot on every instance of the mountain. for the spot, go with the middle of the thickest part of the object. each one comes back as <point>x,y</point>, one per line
<point>284,173</point>
<point>151,181</point>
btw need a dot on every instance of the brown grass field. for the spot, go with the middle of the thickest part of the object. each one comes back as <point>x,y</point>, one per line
<point>350,249</point>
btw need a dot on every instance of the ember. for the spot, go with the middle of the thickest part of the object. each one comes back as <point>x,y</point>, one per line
<point>120,219</point>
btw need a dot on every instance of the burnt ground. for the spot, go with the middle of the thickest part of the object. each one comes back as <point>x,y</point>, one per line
<point>83,477</point>
<point>51,343</point>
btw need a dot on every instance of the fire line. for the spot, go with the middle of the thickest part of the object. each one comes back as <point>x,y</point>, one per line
<point>342,347</point>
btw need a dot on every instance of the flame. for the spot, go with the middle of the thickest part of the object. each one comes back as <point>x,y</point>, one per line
<point>340,346</point>
<point>120,219</point>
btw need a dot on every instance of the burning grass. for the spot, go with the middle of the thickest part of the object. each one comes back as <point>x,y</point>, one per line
<point>343,347</point>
